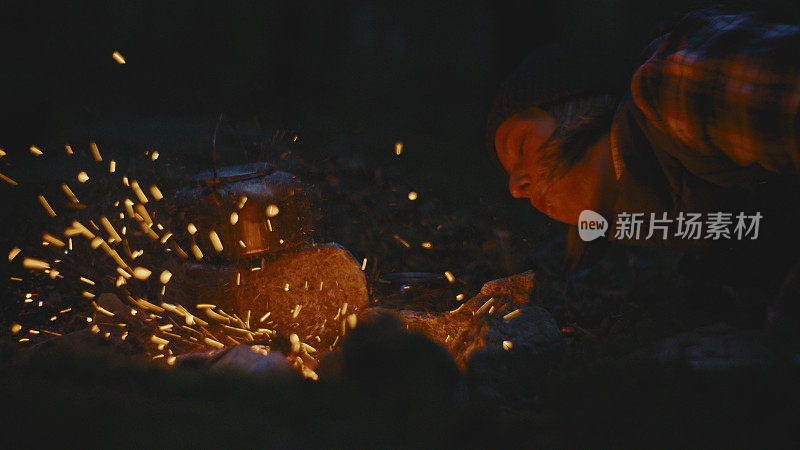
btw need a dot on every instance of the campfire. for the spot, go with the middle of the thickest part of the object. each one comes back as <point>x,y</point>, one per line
<point>230,260</point>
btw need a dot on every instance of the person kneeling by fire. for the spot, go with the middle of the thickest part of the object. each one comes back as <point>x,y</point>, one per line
<point>694,147</point>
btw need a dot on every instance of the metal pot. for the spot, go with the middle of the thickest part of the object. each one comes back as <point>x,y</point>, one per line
<point>239,213</point>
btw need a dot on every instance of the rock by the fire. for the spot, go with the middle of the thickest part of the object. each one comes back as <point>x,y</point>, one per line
<point>244,358</point>
<point>251,359</point>
<point>715,347</point>
<point>309,292</point>
<point>399,367</point>
<point>502,321</point>
<point>518,288</point>
<point>501,340</point>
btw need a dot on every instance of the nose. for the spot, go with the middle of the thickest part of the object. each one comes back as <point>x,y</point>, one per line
<point>519,184</point>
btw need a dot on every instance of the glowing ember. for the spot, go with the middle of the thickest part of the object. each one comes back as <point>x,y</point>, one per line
<point>8,180</point>
<point>38,264</point>
<point>13,253</point>
<point>138,191</point>
<point>426,245</point>
<point>118,57</point>
<point>213,343</point>
<point>52,240</point>
<point>398,148</point>
<point>154,155</point>
<point>198,255</point>
<point>102,310</point>
<point>215,241</point>
<point>15,328</point>
<point>156,193</point>
<point>412,195</point>
<point>83,177</point>
<point>110,229</point>
<point>165,277</point>
<point>484,307</point>
<point>69,193</point>
<point>234,218</point>
<point>402,241</point>
<point>36,150</point>
<point>112,166</point>
<point>191,228</point>
<point>95,151</point>
<point>141,273</point>
<point>449,277</point>
<point>507,345</point>
<point>512,314</point>
<point>272,211</point>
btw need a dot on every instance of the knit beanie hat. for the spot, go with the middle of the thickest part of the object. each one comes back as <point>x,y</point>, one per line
<point>557,73</point>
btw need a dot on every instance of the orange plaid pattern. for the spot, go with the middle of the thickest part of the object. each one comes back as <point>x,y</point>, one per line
<point>726,84</point>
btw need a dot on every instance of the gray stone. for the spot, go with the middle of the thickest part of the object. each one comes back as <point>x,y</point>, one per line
<point>716,347</point>
<point>251,359</point>
<point>497,323</point>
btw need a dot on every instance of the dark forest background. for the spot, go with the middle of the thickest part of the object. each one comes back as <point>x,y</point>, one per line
<point>401,67</point>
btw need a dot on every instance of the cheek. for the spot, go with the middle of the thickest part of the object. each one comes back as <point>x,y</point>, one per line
<point>572,194</point>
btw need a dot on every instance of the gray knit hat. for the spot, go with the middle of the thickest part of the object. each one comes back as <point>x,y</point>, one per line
<point>556,73</point>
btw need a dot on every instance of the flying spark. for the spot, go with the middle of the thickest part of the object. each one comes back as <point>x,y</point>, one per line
<point>118,57</point>
<point>95,151</point>
<point>165,277</point>
<point>141,273</point>
<point>38,264</point>
<point>8,180</point>
<point>215,241</point>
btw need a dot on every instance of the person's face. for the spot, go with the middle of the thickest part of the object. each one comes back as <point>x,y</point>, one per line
<point>519,147</point>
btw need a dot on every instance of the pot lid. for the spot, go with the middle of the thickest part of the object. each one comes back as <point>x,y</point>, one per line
<point>230,174</point>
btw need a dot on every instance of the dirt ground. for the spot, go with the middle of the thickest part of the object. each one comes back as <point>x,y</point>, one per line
<point>596,394</point>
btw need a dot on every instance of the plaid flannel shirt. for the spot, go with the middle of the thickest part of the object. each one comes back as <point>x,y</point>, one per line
<point>726,85</point>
